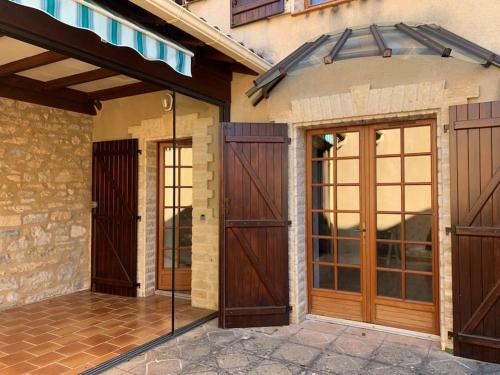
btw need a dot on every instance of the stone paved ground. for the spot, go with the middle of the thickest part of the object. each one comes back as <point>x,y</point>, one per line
<point>311,347</point>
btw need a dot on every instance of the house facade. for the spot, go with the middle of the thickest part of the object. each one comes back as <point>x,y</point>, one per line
<point>332,160</point>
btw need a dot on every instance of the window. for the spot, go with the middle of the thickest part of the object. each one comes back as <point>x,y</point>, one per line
<point>321,3</point>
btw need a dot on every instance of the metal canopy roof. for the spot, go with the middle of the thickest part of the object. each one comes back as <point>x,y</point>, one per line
<point>375,40</point>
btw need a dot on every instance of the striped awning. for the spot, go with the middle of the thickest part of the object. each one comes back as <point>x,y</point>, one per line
<point>116,30</point>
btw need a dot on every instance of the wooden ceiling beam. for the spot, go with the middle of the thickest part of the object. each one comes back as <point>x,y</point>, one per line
<point>31,62</point>
<point>124,91</point>
<point>32,91</point>
<point>76,79</point>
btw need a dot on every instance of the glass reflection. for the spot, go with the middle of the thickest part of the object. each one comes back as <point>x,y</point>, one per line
<point>348,198</point>
<point>389,170</point>
<point>388,226</point>
<point>348,171</point>
<point>419,257</point>
<point>348,224</point>
<point>323,277</point>
<point>418,228</point>
<point>388,255</point>
<point>388,198</point>
<point>417,139</point>
<point>348,251</point>
<point>322,197</point>
<point>419,287</point>
<point>349,279</point>
<point>322,172</point>
<point>322,250</point>
<point>388,141</point>
<point>389,284</point>
<point>418,169</point>
<point>347,144</point>
<point>418,198</point>
<point>322,146</point>
<point>322,223</point>
<point>185,258</point>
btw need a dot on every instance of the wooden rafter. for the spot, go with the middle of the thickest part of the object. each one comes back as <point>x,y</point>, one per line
<point>32,91</point>
<point>31,62</point>
<point>80,78</point>
<point>124,91</point>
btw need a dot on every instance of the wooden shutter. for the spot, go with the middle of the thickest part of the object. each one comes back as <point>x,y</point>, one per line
<point>114,220</point>
<point>254,242</point>
<point>475,217</point>
<point>246,11</point>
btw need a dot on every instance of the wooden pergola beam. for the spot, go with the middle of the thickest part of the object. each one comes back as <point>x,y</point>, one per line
<point>32,91</point>
<point>80,78</point>
<point>31,62</point>
<point>124,91</point>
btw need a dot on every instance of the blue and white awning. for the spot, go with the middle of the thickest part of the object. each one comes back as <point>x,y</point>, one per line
<point>115,30</point>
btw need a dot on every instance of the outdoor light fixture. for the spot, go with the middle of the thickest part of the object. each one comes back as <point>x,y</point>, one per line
<point>167,102</point>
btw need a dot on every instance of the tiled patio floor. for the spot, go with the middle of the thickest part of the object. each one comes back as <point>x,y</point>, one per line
<point>75,332</point>
<point>309,348</point>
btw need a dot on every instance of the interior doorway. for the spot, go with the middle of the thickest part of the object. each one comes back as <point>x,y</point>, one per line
<point>175,219</point>
<point>372,224</point>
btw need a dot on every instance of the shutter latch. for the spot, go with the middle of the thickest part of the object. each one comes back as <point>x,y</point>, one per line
<point>450,230</point>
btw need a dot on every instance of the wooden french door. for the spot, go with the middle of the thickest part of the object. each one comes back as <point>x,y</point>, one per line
<point>183,212</point>
<point>372,210</point>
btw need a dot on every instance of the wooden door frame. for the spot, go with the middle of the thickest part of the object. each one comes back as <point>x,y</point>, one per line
<point>160,206</point>
<point>367,204</point>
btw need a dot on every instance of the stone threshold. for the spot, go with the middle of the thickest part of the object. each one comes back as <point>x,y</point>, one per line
<point>374,327</point>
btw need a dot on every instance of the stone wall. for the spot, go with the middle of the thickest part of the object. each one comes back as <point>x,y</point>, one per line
<point>45,194</point>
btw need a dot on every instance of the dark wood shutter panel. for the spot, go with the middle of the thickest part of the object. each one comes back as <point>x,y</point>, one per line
<point>246,11</point>
<point>114,220</point>
<point>475,219</point>
<point>254,239</point>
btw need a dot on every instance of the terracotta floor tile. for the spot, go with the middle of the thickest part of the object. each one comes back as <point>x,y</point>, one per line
<point>124,340</point>
<point>89,332</point>
<point>20,368</point>
<point>44,348</point>
<point>65,331</point>
<point>68,340</point>
<point>14,338</point>
<point>77,360</point>
<point>41,338</point>
<point>96,340</point>
<point>13,359</point>
<point>73,348</point>
<point>16,347</point>
<point>46,359</point>
<point>39,330</point>
<point>53,369</point>
<point>117,331</point>
<point>125,349</point>
<point>102,349</point>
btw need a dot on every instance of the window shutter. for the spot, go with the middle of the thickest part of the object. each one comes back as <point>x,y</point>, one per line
<point>246,11</point>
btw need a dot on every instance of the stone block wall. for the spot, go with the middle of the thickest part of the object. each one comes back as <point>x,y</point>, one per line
<point>45,194</point>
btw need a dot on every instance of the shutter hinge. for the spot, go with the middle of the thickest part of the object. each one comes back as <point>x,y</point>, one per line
<point>137,285</point>
<point>139,218</point>
<point>449,230</point>
<point>289,223</point>
<point>139,152</point>
<point>289,141</point>
<point>446,128</point>
<point>289,309</point>
<point>451,335</point>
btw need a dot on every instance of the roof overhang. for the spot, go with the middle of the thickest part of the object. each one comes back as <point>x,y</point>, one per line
<point>190,23</point>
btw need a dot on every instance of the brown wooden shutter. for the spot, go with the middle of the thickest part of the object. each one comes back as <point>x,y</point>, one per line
<point>254,242</point>
<point>114,220</point>
<point>475,219</point>
<point>246,11</point>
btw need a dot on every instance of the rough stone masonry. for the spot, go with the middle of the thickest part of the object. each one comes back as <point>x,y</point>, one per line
<point>45,194</point>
